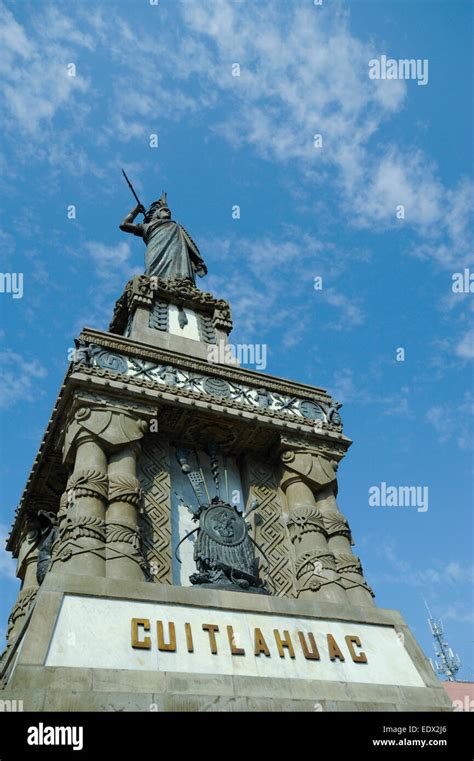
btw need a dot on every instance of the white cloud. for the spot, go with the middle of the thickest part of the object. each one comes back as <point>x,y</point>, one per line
<point>453,421</point>
<point>362,391</point>
<point>112,267</point>
<point>349,314</point>
<point>465,347</point>
<point>35,81</point>
<point>110,262</point>
<point>19,379</point>
<point>303,73</point>
<point>271,279</point>
<point>458,611</point>
<point>449,573</point>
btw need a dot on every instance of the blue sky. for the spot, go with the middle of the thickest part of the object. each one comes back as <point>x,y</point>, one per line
<point>166,69</point>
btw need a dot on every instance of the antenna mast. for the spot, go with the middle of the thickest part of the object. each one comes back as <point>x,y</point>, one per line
<point>447,663</point>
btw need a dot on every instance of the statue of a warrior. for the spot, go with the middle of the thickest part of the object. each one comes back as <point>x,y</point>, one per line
<point>170,250</point>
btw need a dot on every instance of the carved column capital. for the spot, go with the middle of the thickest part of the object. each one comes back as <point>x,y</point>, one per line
<point>111,424</point>
<point>306,465</point>
<point>332,447</point>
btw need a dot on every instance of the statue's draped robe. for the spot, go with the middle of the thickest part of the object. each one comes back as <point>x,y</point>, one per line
<point>170,251</point>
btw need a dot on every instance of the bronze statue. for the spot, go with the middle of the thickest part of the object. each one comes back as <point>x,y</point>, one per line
<point>223,549</point>
<point>170,250</point>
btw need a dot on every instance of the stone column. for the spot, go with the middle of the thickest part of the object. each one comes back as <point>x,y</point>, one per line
<point>340,543</point>
<point>80,545</point>
<point>26,571</point>
<point>315,565</point>
<point>98,440</point>
<point>123,553</point>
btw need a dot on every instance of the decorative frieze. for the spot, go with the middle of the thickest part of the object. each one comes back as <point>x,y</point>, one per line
<point>189,383</point>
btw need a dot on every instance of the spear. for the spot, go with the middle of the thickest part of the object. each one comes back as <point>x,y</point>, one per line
<point>132,189</point>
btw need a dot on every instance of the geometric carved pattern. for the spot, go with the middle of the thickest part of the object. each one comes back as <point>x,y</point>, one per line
<point>271,534</point>
<point>159,315</point>
<point>155,520</point>
<point>190,377</point>
<point>207,332</point>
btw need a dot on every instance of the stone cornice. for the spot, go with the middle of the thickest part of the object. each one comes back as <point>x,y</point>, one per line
<point>98,380</point>
<point>251,377</point>
<point>194,382</point>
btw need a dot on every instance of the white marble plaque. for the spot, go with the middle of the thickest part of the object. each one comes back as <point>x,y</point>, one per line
<point>97,633</point>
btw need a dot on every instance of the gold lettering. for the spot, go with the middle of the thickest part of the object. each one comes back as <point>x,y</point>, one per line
<point>233,647</point>
<point>211,629</point>
<point>310,655</point>
<point>260,644</point>
<point>144,644</point>
<point>351,641</point>
<point>171,646</point>
<point>334,650</point>
<point>189,638</point>
<point>285,642</point>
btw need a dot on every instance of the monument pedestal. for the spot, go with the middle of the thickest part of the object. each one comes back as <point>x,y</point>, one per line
<point>100,644</point>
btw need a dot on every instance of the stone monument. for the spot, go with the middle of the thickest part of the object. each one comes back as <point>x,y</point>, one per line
<point>179,542</point>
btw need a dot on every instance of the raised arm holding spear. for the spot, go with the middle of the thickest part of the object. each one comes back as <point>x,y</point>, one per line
<point>171,252</point>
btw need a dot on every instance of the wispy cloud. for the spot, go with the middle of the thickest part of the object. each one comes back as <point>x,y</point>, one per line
<point>302,72</point>
<point>362,390</point>
<point>35,80</point>
<point>465,347</point>
<point>445,573</point>
<point>19,378</point>
<point>112,268</point>
<point>267,274</point>
<point>453,421</point>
